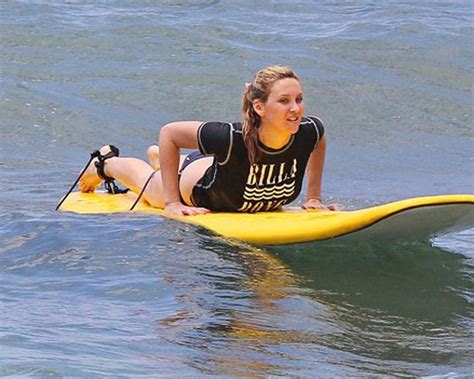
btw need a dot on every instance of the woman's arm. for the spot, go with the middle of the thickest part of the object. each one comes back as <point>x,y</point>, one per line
<point>314,173</point>
<point>173,137</point>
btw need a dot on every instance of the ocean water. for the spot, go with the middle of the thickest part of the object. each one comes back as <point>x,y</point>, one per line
<point>130,295</point>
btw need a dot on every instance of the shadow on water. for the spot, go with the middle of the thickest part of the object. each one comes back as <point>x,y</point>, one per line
<point>392,309</point>
<point>400,301</point>
<point>413,280</point>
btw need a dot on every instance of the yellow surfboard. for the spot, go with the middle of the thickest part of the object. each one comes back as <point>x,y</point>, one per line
<point>412,219</point>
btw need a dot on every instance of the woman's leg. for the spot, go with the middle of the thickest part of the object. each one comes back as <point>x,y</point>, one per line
<point>153,154</point>
<point>133,173</point>
<point>130,172</point>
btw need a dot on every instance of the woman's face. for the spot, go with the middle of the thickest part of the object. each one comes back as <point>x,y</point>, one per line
<point>284,107</point>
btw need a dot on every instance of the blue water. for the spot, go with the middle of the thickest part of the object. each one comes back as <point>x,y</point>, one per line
<point>129,295</point>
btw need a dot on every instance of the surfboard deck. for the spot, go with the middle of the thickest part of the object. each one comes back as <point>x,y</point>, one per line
<point>417,218</point>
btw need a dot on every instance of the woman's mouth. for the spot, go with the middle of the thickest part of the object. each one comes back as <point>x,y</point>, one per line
<point>293,118</point>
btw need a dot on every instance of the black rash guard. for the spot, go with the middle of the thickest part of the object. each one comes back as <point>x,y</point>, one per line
<point>232,184</point>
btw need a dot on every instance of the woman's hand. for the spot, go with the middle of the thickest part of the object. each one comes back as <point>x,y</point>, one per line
<point>316,204</point>
<point>179,209</point>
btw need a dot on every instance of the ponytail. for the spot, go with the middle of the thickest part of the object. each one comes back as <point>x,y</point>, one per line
<point>251,125</point>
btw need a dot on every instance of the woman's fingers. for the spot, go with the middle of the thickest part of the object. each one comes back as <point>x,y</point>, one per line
<point>191,211</point>
<point>179,209</point>
<point>316,204</point>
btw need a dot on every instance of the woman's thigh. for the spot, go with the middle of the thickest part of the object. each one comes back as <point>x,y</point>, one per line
<point>191,175</point>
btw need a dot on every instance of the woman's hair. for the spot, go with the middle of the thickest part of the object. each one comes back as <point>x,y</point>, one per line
<point>259,89</point>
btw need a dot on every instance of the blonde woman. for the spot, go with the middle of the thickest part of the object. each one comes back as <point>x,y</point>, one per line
<point>250,166</point>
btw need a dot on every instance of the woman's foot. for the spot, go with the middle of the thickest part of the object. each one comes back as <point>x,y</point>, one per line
<point>153,154</point>
<point>90,180</point>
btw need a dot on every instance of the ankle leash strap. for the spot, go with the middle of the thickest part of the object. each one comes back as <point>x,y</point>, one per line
<point>109,184</point>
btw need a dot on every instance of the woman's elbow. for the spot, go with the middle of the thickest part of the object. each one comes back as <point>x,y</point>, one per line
<point>166,133</point>
<point>165,130</point>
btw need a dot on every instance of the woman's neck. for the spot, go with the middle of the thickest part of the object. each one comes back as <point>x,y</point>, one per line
<point>272,139</point>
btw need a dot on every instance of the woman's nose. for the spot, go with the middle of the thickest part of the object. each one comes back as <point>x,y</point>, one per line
<point>295,107</point>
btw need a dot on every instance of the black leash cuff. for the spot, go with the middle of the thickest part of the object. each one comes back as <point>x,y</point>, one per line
<point>109,184</point>
<point>114,152</point>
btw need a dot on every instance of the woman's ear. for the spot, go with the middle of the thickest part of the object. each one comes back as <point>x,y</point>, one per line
<point>259,107</point>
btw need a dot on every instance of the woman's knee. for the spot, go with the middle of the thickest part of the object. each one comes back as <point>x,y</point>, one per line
<point>154,200</point>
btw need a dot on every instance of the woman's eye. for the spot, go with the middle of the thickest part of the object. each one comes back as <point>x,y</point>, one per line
<point>284,101</point>
<point>299,100</point>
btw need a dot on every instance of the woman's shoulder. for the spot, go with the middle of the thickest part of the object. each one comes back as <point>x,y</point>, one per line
<point>218,130</point>
<point>311,129</point>
<point>313,123</point>
<point>218,137</point>
<point>313,120</point>
<point>222,125</point>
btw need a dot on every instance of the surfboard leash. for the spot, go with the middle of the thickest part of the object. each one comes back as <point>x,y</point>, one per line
<point>110,185</point>
<point>143,190</point>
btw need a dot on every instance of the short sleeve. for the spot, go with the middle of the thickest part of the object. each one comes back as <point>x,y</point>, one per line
<point>215,138</point>
<point>318,126</point>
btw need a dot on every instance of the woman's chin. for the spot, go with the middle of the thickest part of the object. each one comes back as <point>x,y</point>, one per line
<point>293,127</point>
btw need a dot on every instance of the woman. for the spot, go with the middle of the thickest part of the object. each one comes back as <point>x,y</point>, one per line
<point>257,165</point>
